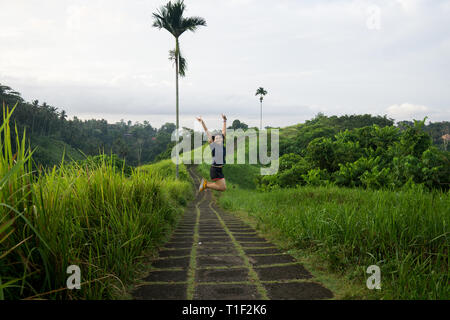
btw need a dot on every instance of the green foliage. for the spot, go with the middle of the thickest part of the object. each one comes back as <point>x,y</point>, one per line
<point>112,161</point>
<point>317,177</point>
<point>404,232</point>
<point>320,152</point>
<point>52,134</point>
<point>49,151</point>
<point>432,169</point>
<point>377,178</point>
<point>292,168</point>
<point>371,157</point>
<point>237,124</point>
<point>90,214</point>
<point>349,174</point>
<point>326,127</point>
<point>166,169</point>
<point>436,168</point>
<point>414,141</point>
<point>287,161</point>
<point>166,154</point>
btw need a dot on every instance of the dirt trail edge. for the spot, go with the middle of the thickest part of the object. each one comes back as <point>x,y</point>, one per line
<point>213,255</point>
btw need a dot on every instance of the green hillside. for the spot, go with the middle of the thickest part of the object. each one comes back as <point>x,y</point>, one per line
<point>50,151</point>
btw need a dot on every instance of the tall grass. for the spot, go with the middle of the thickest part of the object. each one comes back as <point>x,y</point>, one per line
<point>405,233</point>
<point>91,216</point>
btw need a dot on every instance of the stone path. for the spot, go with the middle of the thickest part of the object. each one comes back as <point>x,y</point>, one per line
<point>213,255</point>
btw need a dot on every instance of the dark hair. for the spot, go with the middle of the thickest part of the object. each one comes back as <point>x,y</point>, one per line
<point>214,136</point>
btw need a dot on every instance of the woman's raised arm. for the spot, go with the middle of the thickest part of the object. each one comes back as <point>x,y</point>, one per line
<point>224,127</point>
<point>206,129</point>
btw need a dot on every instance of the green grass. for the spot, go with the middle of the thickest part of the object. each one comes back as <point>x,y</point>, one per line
<point>94,217</point>
<point>405,233</point>
<point>50,151</point>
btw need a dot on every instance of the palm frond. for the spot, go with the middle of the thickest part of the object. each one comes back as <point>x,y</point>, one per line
<point>163,19</point>
<point>170,17</point>
<point>182,67</point>
<point>193,23</point>
<point>260,91</point>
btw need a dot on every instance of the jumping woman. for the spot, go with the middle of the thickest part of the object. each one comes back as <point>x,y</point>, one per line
<point>218,151</point>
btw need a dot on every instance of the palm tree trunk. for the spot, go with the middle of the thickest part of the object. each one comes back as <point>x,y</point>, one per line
<point>260,121</point>
<point>177,55</point>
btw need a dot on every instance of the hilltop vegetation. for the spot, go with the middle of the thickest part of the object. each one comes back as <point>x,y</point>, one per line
<point>337,151</point>
<point>295,139</point>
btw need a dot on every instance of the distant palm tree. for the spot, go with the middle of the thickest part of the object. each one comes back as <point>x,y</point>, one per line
<point>170,17</point>
<point>261,92</point>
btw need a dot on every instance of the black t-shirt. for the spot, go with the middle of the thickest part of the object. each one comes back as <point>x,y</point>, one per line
<point>221,153</point>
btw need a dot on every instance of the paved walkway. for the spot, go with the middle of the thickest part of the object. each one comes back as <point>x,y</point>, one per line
<point>213,255</point>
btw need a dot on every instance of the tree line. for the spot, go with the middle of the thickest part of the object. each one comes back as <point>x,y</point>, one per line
<point>45,124</point>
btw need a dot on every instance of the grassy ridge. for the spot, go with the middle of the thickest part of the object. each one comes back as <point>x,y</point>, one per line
<point>405,233</point>
<point>93,217</point>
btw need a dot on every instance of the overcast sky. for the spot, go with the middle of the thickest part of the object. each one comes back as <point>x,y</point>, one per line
<point>102,59</point>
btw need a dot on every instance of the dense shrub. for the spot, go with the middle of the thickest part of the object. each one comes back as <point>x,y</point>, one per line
<point>372,157</point>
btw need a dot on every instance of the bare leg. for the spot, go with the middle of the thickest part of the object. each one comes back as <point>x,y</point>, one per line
<point>218,185</point>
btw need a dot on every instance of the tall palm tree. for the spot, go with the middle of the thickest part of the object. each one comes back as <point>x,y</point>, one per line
<point>261,92</point>
<point>170,17</point>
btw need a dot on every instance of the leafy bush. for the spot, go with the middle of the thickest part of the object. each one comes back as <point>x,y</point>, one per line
<point>436,168</point>
<point>372,157</point>
<point>377,178</point>
<point>432,169</point>
<point>317,177</point>
<point>327,154</point>
<point>292,167</point>
<point>349,174</point>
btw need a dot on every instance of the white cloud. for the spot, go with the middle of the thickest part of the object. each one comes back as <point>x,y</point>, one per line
<point>410,6</point>
<point>407,111</point>
<point>75,15</point>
